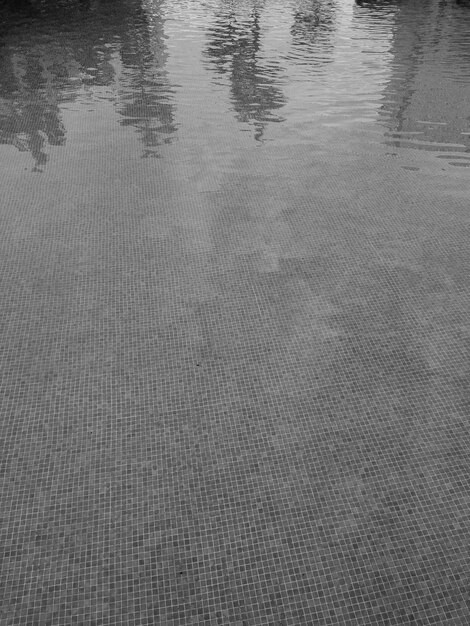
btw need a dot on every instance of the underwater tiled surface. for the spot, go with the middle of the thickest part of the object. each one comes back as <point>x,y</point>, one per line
<point>234,378</point>
<point>226,434</point>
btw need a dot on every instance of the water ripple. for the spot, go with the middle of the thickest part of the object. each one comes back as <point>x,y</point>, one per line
<point>268,68</point>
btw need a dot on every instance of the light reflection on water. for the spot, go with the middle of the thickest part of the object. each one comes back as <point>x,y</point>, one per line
<point>295,71</point>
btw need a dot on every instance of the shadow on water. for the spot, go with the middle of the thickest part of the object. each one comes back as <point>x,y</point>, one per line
<point>235,49</point>
<point>52,53</point>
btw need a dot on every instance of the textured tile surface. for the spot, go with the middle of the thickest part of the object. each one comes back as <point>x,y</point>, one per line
<point>234,366</point>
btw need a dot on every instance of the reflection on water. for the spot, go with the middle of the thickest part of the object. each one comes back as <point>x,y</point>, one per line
<point>223,364</point>
<point>313,31</point>
<point>425,98</point>
<point>309,65</point>
<point>146,99</point>
<point>235,49</point>
<point>29,112</point>
<point>55,53</point>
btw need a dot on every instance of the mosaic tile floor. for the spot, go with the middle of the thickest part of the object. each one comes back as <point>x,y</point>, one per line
<point>231,436</point>
<point>234,380</point>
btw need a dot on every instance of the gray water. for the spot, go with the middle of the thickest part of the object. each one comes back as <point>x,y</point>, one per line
<point>234,304</point>
<point>224,76</point>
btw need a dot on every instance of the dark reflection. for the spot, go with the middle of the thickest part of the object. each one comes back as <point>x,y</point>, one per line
<point>234,49</point>
<point>312,31</point>
<point>424,100</point>
<point>54,52</point>
<point>29,113</point>
<point>43,7</point>
<point>408,53</point>
<point>376,4</point>
<point>147,96</point>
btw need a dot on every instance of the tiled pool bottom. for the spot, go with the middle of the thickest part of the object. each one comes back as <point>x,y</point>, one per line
<point>236,406</point>
<point>234,313</point>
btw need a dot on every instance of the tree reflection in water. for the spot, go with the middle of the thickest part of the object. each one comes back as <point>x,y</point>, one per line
<point>29,112</point>
<point>50,51</point>
<point>313,27</point>
<point>235,50</point>
<point>146,95</point>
